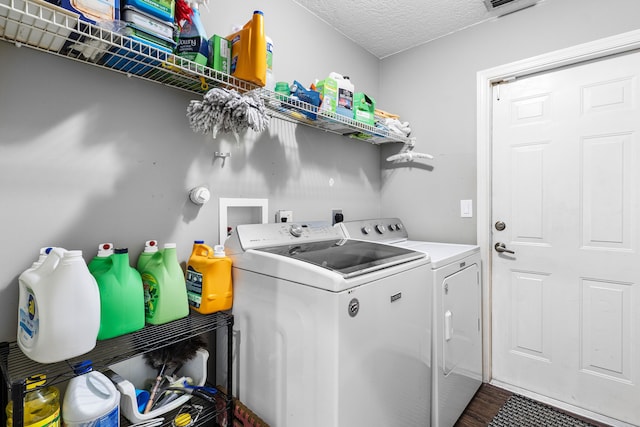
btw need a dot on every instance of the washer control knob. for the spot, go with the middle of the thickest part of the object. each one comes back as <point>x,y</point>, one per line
<point>366,229</point>
<point>295,230</point>
<point>399,226</point>
<point>392,227</point>
<point>380,228</point>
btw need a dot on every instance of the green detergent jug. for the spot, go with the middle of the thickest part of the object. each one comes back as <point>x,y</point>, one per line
<point>121,294</point>
<point>165,292</point>
<point>150,248</point>
<point>102,261</point>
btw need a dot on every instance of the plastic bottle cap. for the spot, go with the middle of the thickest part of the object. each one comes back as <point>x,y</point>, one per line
<point>121,250</point>
<point>151,246</point>
<point>169,245</point>
<point>83,367</point>
<point>218,251</point>
<point>198,242</point>
<point>258,11</point>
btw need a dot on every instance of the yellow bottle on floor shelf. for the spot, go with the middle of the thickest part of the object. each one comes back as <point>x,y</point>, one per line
<point>41,408</point>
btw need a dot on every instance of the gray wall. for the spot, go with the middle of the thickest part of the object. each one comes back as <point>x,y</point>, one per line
<point>434,87</point>
<point>88,155</point>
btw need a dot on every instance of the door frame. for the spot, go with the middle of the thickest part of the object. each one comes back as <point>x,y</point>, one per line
<point>598,49</point>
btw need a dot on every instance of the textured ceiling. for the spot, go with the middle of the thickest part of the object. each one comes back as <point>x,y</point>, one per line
<point>385,27</point>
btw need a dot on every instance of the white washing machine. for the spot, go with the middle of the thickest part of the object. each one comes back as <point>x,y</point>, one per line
<point>457,333</point>
<point>329,331</point>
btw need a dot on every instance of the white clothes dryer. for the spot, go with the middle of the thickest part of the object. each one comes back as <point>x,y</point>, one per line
<point>329,331</point>
<point>457,329</point>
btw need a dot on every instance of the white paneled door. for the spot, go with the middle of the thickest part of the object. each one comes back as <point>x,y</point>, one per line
<point>566,202</point>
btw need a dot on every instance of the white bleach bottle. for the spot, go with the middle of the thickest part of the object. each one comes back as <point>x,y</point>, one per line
<point>58,308</point>
<point>91,399</point>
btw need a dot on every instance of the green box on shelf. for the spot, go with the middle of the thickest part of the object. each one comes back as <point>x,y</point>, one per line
<point>364,108</point>
<point>220,54</point>
<point>328,89</point>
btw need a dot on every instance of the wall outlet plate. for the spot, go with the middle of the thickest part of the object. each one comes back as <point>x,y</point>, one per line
<point>284,216</point>
<point>336,216</point>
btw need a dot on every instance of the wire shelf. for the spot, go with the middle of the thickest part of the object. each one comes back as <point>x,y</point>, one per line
<point>52,29</point>
<point>108,352</point>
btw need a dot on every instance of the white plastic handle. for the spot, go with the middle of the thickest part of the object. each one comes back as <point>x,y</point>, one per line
<point>448,325</point>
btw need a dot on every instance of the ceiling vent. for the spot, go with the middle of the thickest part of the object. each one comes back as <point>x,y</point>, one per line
<point>502,7</point>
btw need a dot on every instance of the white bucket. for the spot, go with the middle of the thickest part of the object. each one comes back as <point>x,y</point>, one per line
<point>58,308</point>
<point>91,400</point>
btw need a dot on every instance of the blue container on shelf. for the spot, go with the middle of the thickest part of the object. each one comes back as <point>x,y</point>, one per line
<point>162,9</point>
<point>308,96</point>
<point>132,57</point>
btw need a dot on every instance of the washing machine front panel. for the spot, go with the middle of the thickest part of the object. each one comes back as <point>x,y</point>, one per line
<point>316,349</point>
<point>384,351</point>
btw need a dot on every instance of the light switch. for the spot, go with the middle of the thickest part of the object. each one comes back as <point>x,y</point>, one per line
<point>466,208</point>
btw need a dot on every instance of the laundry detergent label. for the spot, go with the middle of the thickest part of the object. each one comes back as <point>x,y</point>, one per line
<point>345,98</point>
<point>29,320</point>
<point>194,287</point>
<point>151,294</point>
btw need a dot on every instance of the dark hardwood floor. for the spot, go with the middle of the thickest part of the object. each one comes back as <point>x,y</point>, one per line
<point>486,404</point>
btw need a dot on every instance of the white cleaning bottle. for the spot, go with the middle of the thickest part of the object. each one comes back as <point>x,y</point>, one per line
<point>58,308</point>
<point>91,399</point>
<point>271,80</point>
<point>344,104</point>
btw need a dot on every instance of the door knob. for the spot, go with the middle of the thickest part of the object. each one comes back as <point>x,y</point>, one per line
<point>502,248</point>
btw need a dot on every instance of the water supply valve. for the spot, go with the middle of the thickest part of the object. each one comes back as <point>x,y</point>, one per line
<point>199,195</point>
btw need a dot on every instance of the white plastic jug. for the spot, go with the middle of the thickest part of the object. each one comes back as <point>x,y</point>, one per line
<point>344,104</point>
<point>58,308</point>
<point>91,400</point>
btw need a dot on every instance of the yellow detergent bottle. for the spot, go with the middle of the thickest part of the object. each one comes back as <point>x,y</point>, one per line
<point>165,293</point>
<point>41,408</point>
<point>208,278</point>
<point>249,51</point>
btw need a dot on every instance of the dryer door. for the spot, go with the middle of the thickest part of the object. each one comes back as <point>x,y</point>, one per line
<point>460,320</point>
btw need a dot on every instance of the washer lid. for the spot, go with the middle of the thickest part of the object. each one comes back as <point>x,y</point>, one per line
<point>346,257</point>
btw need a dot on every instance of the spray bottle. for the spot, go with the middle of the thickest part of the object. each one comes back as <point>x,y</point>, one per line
<point>193,43</point>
